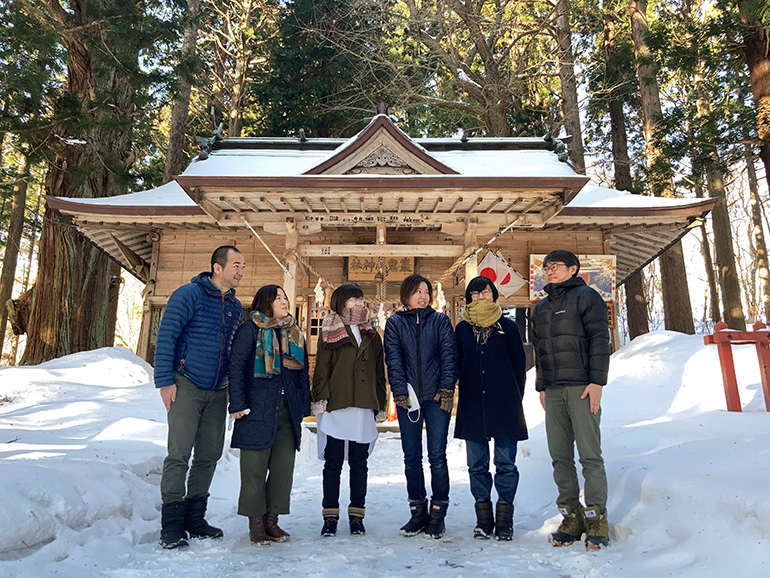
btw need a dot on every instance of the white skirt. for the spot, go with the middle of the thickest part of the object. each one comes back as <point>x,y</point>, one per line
<point>353,424</point>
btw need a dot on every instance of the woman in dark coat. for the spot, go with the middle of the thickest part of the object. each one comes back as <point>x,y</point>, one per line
<point>421,355</point>
<point>492,375</point>
<point>269,396</point>
<point>349,393</point>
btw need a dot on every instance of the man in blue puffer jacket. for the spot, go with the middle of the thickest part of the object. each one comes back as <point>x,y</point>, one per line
<point>191,362</point>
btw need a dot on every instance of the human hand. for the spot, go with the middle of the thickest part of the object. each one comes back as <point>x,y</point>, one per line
<point>542,399</point>
<point>380,416</point>
<point>319,407</point>
<point>238,414</point>
<point>168,395</point>
<point>594,393</point>
<point>447,399</point>
<point>402,401</point>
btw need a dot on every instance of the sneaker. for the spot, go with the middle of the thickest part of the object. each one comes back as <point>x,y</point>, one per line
<point>571,528</point>
<point>419,519</point>
<point>597,529</point>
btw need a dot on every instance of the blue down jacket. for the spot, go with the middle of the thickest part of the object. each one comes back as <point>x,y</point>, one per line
<point>492,378</point>
<point>262,395</point>
<point>570,332</point>
<point>195,332</point>
<point>420,349</point>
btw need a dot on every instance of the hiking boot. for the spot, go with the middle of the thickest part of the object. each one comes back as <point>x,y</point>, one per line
<point>570,529</point>
<point>172,534</point>
<point>194,522</point>
<point>356,518</point>
<point>419,519</point>
<point>504,522</point>
<point>597,528</point>
<point>257,533</point>
<point>275,533</point>
<point>436,528</point>
<point>485,521</point>
<point>331,516</point>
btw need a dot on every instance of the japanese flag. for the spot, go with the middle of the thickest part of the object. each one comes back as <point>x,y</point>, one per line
<point>495,267</point>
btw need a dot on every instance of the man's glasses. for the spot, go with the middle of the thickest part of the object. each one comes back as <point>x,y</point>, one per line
<point>552,267</point>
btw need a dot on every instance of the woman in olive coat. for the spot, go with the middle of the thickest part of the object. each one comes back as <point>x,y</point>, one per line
<point>269,396</point>
<point>349,393</point>
<point>492,375</point>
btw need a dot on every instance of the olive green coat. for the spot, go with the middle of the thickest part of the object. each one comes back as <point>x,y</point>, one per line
<point>351,375</point>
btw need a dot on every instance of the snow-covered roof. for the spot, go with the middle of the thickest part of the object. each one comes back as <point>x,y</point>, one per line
<point>593,195</point>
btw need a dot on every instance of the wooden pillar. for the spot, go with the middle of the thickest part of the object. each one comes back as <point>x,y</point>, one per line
<point>472,264</point>
<point>145,330</point>
<point>290,272</point>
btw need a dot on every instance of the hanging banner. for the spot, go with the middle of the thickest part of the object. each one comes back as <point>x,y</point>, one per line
<point>598,271</point>
<point>494,267</point>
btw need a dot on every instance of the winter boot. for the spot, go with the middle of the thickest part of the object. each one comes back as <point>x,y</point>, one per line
<point>257,533</point>
<point>331,516</point>
<point>485,521</point>
<point>419,519</point>
<point>570,529</point>
<point>504,522</point>
<point>172,534</point>
<point>436,528</point>
<point>195,524</point>
<point>275,533</point>
<point>597,529</point>
<point>356,517</point>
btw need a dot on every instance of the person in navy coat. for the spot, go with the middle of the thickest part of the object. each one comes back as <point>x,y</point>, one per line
<point>492,366</point>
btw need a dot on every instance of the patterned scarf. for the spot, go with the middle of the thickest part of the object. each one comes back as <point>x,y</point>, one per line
<point>267,351</point>
<point>333,329</point>
<point>483,317</point>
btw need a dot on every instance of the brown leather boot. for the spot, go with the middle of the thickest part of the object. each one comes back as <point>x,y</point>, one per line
<point>257,533</point>
<point>275,533</point>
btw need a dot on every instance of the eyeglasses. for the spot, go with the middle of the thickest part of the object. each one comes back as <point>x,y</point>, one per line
<point>486,292</point>
<point>552,267</point>
<point>357,299</point>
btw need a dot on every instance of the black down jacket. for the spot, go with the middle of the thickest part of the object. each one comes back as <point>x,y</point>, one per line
<point>420,349</point>
<point>571,336</point>
<point>262,395</point>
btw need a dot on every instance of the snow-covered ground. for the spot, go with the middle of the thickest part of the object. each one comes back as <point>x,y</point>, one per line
<point>82,441</point>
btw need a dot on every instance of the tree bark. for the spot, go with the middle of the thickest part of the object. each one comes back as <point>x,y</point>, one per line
<point>763,267</point>
<point>13,242</point>
<point>71,308</point>
<point>181,107</point>
<point>569,92</point>
<point>713,305</point>
<point>757,49</point>
<point>677,308</point>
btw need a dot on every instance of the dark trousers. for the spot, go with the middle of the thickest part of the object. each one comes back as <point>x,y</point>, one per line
<point>506,473</point>
<point>334,457</point>
<point>437,429</point>
<point>196,420</point>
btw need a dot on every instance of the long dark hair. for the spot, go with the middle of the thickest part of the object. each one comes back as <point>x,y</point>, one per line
<point>263,300</point>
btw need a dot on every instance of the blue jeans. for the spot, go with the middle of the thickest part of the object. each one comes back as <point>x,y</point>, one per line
<point>437,428</point>
<point>506,472</point>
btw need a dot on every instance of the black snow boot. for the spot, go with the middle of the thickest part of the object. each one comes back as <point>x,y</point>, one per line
<point>419,519</point>
<point>504,522</point>
<point>194,521</point>
<point>485,521</point>
<point>436,528</point>
<point>172,534</point>
<point>331,517</point>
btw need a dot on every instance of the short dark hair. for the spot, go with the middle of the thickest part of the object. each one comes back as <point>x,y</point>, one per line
<point>263,300</point>
<point>341,295</point>
<point>411,284</point>
<point>221,255</point>
<point>562,256</point>
<point>479,284</point>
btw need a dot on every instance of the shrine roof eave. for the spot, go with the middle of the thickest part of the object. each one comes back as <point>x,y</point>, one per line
<point>698,208</point>
<point>72,206</point>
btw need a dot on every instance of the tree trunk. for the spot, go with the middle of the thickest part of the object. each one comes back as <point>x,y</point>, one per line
<point>181,108</point>
<point>676,295</point>
<point>713,305</point>
<point>757,48</point>
<point>71,309</point>
<point>569,92</point>
<point>763,266</point>
<point>13,242</point>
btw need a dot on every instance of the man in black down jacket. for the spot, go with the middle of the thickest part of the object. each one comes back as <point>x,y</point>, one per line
<point>571,339</point>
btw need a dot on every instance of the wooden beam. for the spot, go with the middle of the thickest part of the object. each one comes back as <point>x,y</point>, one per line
<point>305,204</point>
<point>249,204</point>
<point>514,204</point>
<point>457,202</point>
<point>496,202</point>
<point>323,202</point>
<point>230,204</point>
<point>380,250</point>
<point>438,202</point>
<point>269,204</point>
<point>286,202</point>
<point>474,204</point>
